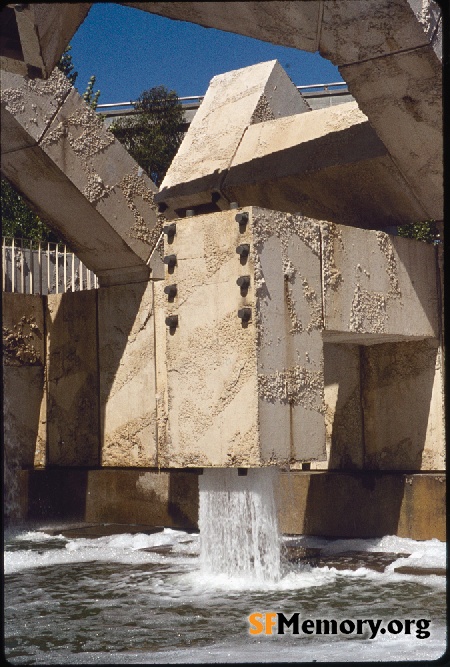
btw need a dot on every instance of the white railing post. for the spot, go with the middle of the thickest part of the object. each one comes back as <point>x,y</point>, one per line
<point>48,267</point>
<point>13,266</point>
<point>31,267</point>
<point>65,268</point>
<point>22,277</point>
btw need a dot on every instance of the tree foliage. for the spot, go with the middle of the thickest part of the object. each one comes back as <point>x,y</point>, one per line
<point>153,135</point>
<point>426,231</point>
<point>19,220</point>
<point>66,65</point>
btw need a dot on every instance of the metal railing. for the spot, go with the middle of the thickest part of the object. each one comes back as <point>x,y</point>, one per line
<point>33,267</point>
<point>198,99</point>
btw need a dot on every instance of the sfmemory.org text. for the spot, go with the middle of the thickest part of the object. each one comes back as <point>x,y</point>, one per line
<point>276,623</point>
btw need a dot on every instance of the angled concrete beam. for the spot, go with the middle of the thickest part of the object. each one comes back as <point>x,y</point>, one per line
<point>233,102</point>
<point>78,177</point>
<point>37,35</point>
<point>327,164</point>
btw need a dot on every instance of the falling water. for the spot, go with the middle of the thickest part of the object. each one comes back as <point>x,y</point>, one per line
<point>238,523</point>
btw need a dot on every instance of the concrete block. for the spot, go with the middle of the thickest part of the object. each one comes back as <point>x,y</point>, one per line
<point>328,164</point>
<point>356,30</point>
<point>102,170</point>
<point>402,394</point>
<point>376,285</point>
<point>127,375</point>
<point>72,379</point>
<point>402,96</point>
<point>362,504</point>
<point>244,393</point>
<point>343,409</point>
<point>24,405</point>
<point>38,35</point>
<point>233,102</point>
<point>290,24</point>
<point>31,105</point>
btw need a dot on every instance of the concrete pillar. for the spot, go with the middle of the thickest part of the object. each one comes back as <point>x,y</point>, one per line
<point>126,341</point>
<point>243,393</point>
<point>57,153</point>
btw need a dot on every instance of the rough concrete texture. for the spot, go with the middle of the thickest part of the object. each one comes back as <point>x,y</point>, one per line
<point>99,202</point>
<point>24,406</point>
<point>233,102</point>
<point>377,285</point>
<point>402,96</point>
<point>359,30</point>
<point>328,164</point>
<point>403,399</point>
<point>44,30</point>
<point>244,394</point>
<point>72,379</point>
<point>362,504</point>
<point>127,375</point>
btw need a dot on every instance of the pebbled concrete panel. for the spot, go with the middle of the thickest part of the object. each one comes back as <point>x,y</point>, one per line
<point>244,393</point>
<point>127,375</point>
<point>376,285</point>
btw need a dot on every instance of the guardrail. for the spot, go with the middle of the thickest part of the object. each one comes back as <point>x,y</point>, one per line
<point>197,99</point>
<point>33,267</point>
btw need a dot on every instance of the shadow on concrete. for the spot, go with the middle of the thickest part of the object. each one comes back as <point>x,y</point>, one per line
<point>361,494</point>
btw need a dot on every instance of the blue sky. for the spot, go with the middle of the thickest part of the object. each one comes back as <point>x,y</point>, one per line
<point>129,51</point>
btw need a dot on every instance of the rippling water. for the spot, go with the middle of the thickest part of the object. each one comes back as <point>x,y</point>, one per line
<point>144,599</point>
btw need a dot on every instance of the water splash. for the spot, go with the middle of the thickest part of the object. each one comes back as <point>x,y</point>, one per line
<point>238,523</point>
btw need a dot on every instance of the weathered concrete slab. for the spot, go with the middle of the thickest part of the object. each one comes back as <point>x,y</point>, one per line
<point>244,393</point>
<point>233,102</point>
<point>127,375</point>
<point>402,96</point>
<point>38,34</point>
<point>24,406</point>
<point>328,164</point>
<point>72,379</point>
<point>362,504</point>
<point>403,398</point>
<point>98,201</point>
<point>377,285</point>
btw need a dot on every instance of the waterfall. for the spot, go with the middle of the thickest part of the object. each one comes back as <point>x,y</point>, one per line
<point>238,523</point>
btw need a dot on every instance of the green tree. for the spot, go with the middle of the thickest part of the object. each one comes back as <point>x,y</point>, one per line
<point>89,96</point>
<point>19,220</point>
<point>153,135</point>
<point>426,231</point>
<point>66,66</point>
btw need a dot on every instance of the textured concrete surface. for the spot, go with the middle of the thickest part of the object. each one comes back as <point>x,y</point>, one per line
<point>127,375</point>
<point>24,396</point>
<point>377,285</point>
<point>233,102</point>
<point>403,398</point>
<point>244,394</point>
<point>99,202</point>
<point>328,164</point>
<point>72,377</point>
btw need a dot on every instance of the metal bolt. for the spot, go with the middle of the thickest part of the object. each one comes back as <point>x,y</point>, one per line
<point>172,321</point>
<point>242,218</point>
<point>170,260</point>
<point>243,282</point>
<point>171,291</point>
<point>243,250</point>
<point>245,314</point>
<point>170,230</point>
